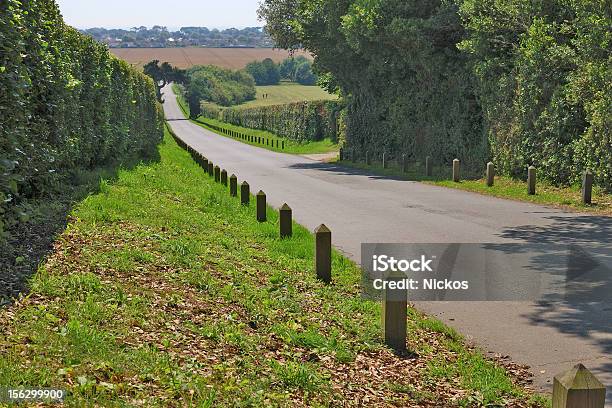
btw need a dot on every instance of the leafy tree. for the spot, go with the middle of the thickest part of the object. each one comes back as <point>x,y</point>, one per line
<point>264,72</point>
<point>163,74</point>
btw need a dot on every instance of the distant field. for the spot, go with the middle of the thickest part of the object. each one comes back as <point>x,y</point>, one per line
<point>234,58</point>
<point>286,93</point>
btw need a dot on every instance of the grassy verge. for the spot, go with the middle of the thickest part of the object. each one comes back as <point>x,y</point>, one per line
<point>504,187</point>
<point>291,147</point>
<point>165,291</point>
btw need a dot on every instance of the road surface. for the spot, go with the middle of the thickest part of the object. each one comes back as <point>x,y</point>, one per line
<point>361,207</point>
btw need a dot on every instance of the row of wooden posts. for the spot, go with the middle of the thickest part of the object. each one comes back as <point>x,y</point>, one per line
<point>576,388</point>
<point>280,144</point>
<point>587,176</point>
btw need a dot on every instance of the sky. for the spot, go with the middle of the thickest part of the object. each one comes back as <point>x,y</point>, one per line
<point>170,13</point>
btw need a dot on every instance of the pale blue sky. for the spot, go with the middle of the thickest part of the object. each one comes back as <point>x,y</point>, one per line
<point>170,13</point>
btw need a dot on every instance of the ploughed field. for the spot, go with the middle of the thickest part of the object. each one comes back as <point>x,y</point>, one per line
<point>234,58</point>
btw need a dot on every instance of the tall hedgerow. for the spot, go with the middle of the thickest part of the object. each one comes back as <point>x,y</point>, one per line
<point>299,121</point>
<point>65,104</point>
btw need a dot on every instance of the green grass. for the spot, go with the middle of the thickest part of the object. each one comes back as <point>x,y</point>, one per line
<point>165,291</point>
<point>288,92</point>
<point>503,187</point>
<point>291,147</point>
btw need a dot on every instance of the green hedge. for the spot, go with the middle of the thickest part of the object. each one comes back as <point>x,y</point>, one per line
<point>300,121</point>
<point>66,104</point>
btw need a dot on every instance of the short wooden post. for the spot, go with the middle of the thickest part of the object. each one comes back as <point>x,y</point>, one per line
<point>394,315</point>
<point>353,155</point>
<point>245,193</point>
<point>368,158</point>
<point>456,170</point>
<point>578,388</point>
<point>211,168</point>
<point>233,185</point>
<point>217,170</point>
<point>261,206</point>
<point>286,227</point>
<point>340,155</point>
<point>384,160</point>
<point>404,163</point>
<point>490,174</point>
<point>428,171</point>
<point>204,163</point>
<point>587,187</point>
<point>224,177</point>
<point>531,180</point>
<point>323,253</point>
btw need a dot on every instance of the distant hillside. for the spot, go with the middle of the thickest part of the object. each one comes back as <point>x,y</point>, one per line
<point>160,37</point>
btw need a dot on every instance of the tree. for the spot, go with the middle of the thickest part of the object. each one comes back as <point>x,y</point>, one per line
<point>264,72</point>
<point>163,74</point>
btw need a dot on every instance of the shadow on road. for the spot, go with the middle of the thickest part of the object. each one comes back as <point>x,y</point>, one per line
<point>342,170</point>
<point>589,236</point>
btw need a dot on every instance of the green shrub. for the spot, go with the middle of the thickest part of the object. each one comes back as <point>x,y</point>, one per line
<point>218,85</point>
<point>66,104</point>
<point>264,72</point>
<point>300,121</point>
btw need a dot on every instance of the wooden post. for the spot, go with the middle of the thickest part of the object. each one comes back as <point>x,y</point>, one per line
<point>217,171</point>
<point>368,158</point>
<point>404,164</point>
<point>340,155</point>
<point>353,158</point>
<point>578,388</point>
<point>224,177</point>
<point>531,180</point>
<point>394,315</point>
<point>428,171</point>
<point>245,193</point>
<point>211,168</point>
<point>323,253</point>
<point>384,160</point>
<point>261,206</point>
<point>587,187</point>
<point>286,227</point>
<point>456,170</point>
<point>233,185</point>
<point>204,163</point>
<point>490,174</point>
<point>283,144</point>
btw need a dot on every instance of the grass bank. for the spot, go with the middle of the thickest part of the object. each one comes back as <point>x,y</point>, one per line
<point>165,291</point>
<point>291,147</point>
<point>504,187</point>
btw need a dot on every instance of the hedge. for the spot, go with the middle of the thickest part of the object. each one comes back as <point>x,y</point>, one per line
<point>66,104</point>
<point>300,121</point>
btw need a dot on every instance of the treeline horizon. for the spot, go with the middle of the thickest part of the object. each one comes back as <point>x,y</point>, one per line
<point>160,37</point>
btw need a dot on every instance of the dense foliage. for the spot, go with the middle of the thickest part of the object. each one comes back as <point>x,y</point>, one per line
<point>298,69</point>
<point>159,36</point>
<point>300,121</point>
<point>221,86</point>
<point>517,81</point>
<point>164,74</point>
<point>65,104</point>
<point>264,72</point>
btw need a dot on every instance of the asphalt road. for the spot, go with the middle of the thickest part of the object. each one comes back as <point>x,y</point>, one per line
<point>360,207</point>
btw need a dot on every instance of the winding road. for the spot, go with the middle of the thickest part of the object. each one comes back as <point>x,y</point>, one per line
<point>362,207</point>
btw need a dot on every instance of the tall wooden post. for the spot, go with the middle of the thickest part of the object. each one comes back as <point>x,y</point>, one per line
<point>245,193</point>
<point>233,185</point>
<point>384,160</point>
<point>286,227</point>
<point>404,163</point>
<point>323,253</point>
<point>428,171</point>
<point>587,187</point>
<point>394,315</point>
<point>578,388</point>
<point>261,206</point>
<point>531,180</point>
<point>456,170</point>
<point>490,174</point>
